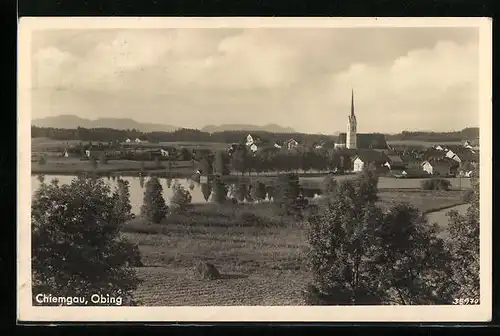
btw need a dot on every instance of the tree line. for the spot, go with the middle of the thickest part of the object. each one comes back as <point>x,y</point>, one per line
<point>194,135</point>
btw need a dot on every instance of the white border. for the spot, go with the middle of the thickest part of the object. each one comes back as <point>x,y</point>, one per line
<point>26,312</point>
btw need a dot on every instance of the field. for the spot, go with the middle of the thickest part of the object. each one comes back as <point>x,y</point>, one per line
<point>64,166</point>
<point>255,260</point>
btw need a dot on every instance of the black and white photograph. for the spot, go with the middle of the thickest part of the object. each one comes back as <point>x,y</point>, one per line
<point>291,169</point>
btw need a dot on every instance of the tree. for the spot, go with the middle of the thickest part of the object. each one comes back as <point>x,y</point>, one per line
<point>206,189</point>
<point>329,185</point>
<point>157,162</point>
<point>93,162</point>
<point>205,165</point>
<point>221,160</point>
<point>359,255</point>
<point>286,194</point>
<point>240,191</point>
<point>239,160</point>
<point>342,252</point>
<point>102,159</point>
<point>122,203</point>
<point>367,184</point>
<point>259,191</point>
<point>41,178</point>
<point>154,208</point>
<point>219,191</point>
<point>77,247</point>
<point>181,198</point>
<point>464,245</point>
<point>414,264</point>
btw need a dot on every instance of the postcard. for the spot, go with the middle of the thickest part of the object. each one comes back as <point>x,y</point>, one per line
<point>254,169</point>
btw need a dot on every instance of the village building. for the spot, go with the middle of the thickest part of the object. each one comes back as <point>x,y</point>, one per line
<point>128,140</point>
<point>291,144</point>
<point>365,157</point>
<point>354,140</point>
<point>444,168</point>
<point>72,152</point>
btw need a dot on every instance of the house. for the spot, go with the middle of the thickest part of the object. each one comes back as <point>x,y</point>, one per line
<point>394,161</point>
<point>438,147</point>
<point>445,167</point>
<point>137,140</point>
<point>164,152</point>
<point>253,147</point>
<point>249,140</point>
<point>72,152</point>
<point>366,157</point>
<point>291,144</point>
<point>277,145</point>
<point>128,140</point>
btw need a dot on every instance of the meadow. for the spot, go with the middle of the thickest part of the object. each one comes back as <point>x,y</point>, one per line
<point>255,257</point>
<point>74,166</point>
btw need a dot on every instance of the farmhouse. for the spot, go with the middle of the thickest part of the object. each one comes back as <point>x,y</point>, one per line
<point>440,167</point>
<point>394,161</point>
<point>291,144</point>
<point>72,152</point>
<point>366,157</point>
<point>128,140</point>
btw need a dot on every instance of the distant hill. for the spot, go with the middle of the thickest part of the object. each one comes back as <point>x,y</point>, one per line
<point>272,128</point>
<point>71,122</point>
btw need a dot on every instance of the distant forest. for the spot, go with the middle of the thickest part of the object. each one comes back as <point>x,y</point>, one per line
<point>193,135</point>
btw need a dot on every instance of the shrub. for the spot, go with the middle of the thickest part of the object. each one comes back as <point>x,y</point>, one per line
<point>181,198</point>
<point>154,208</point>
<point>436,183</point>
<point>249,219</point>
<point>77,248</point>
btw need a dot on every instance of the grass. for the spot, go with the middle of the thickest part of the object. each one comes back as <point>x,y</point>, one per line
<point>255,260</point>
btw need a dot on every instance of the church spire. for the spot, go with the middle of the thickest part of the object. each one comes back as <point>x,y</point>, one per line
<point>352,102</point>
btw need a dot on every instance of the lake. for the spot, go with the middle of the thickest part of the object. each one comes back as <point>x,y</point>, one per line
<point>136,188</point>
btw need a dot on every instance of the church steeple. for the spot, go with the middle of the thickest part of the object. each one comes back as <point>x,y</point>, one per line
<point>352,102</point>
<point>352,125</point>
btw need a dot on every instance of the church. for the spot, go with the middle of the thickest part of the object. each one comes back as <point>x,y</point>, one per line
<point>354,140</point>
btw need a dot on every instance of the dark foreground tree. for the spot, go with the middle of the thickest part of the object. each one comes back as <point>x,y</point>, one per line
<point>258,191</point>
<point>342,251</point>
<point>359,255</point>
<point>154,208</point>
<point>414,264</point>
<point>464,246</point>
<point>77,249</point>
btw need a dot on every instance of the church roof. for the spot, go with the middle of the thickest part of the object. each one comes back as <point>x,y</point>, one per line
<point>366,140</point>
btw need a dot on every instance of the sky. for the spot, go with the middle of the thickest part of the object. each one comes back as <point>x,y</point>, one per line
<point>403,78</point>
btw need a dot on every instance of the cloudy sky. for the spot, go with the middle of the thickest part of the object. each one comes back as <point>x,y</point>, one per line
<point>403,78</point>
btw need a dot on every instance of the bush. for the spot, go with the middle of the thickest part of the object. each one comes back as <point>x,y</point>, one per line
<point>77,248</point>
<point>436,183</point>
<point>181,198</point>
